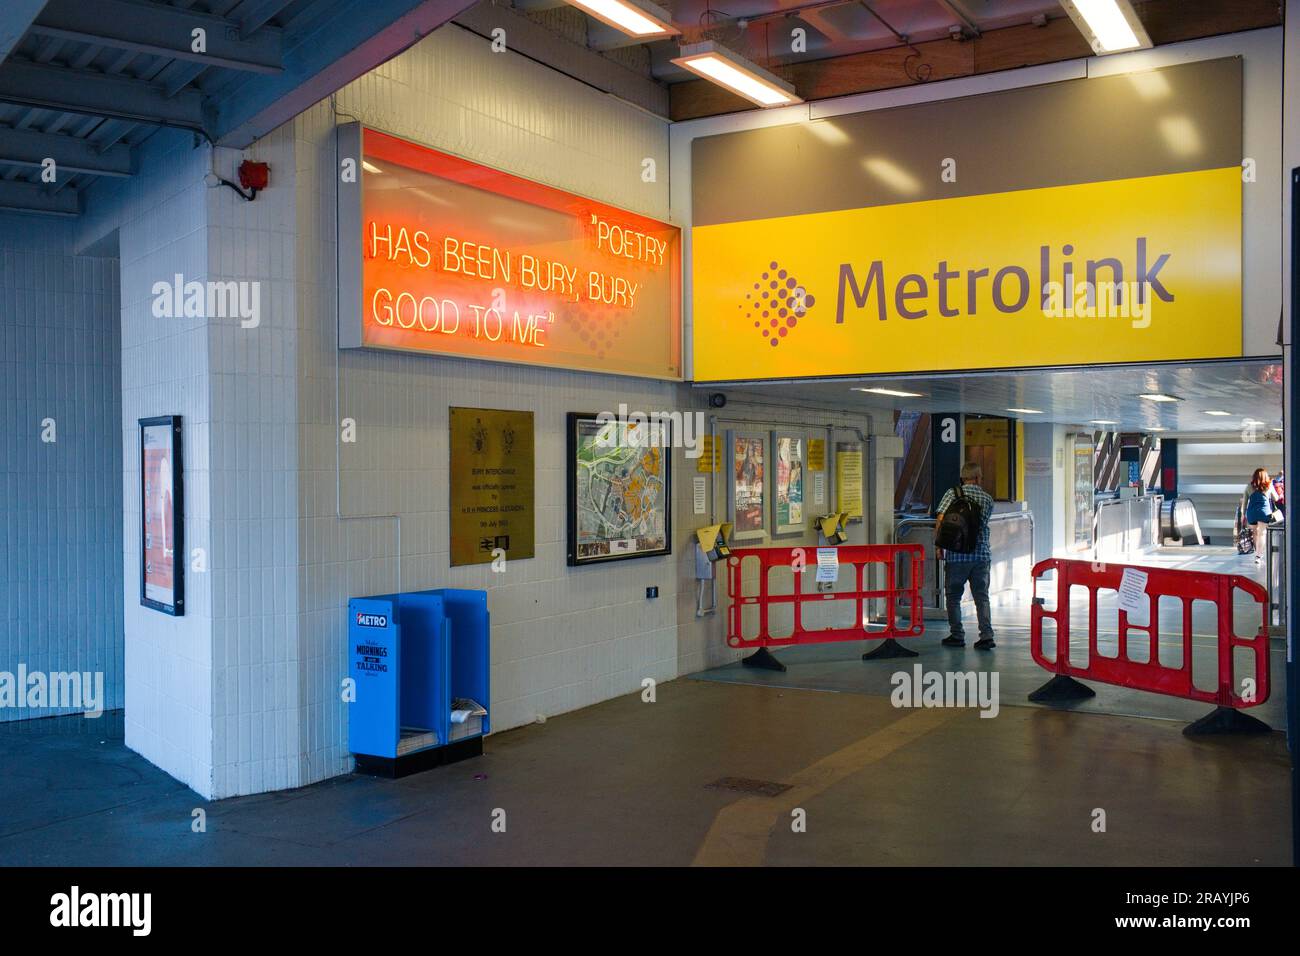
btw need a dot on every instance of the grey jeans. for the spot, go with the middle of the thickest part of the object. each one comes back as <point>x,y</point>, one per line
<point>955,576</point>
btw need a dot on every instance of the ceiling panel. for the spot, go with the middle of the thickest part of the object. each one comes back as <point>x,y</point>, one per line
<point>1246,390</point>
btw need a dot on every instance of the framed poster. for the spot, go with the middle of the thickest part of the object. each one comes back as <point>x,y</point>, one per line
<point>492,485</point>
<point>162,516</point>
<point>788,515</point>
<point>620,487</point>
<point>747,483</point>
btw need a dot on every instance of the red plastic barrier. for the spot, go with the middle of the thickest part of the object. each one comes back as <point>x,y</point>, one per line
<point>859,557</point>
<point>1150,674</point>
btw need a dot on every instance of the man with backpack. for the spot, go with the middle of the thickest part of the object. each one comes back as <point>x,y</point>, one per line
<point>961,537</point>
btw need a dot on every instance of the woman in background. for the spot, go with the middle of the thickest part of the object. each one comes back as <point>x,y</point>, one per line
<point>1261,509</point>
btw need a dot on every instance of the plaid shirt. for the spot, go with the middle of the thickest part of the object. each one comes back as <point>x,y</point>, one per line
<point>982,498</point>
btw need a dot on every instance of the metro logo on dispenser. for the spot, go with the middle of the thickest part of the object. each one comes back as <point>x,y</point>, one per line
<point>1128,270</point>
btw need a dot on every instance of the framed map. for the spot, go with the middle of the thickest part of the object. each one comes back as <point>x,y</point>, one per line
<point>788,512</point>
<point>747,481</point>
<point>620,488</point>
<point>162,510</point>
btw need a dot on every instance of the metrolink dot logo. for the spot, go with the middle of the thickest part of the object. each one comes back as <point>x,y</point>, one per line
<point>776,303</point>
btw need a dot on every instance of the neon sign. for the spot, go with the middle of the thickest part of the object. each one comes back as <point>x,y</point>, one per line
<point>458,259</point>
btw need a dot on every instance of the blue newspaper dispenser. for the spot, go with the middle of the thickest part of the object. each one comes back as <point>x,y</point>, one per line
<point>415,657</point>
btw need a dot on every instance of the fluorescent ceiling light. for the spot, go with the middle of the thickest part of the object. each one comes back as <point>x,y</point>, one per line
<point>1102,421</point>
<point>1216,411</point>
<point>1157,428</point>
<point>636,18</point>
<point>1027,411</point>
<point>1109,26</point>
<point>890,391</point>
<point>1160,397</point>
<point>730,70</point>
<point>370,167</point>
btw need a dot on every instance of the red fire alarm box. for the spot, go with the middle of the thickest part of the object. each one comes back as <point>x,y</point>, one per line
<point>254,175</point>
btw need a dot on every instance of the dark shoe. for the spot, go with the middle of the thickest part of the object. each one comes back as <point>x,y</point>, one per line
<point>985,644</point>
<point>951,641</point>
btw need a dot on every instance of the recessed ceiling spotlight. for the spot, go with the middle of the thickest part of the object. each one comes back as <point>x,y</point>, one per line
<point>1159,397</point>
<point>890,391</point>
<point>1027,411</point>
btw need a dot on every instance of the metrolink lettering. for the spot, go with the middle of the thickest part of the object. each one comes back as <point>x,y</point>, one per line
<point>1007,289</point>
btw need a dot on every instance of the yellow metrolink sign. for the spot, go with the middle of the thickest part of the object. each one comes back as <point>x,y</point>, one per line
<point>1131,270</point>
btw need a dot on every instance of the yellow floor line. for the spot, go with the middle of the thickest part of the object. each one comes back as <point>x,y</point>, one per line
<point>740,831</point>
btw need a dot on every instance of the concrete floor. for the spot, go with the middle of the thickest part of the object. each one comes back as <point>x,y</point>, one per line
<point>626,783</point>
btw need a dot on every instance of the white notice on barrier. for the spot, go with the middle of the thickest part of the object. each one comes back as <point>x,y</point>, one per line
<point>1133,595</point>
<point>828,565</point>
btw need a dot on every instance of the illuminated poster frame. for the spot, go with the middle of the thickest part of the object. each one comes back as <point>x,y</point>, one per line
<point>162,509</point>
<point>751,523</point>
<point>439,255</point>
<point>789,482</point>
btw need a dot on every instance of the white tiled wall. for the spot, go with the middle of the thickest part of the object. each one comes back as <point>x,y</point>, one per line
<point>243,694</point>
<point>161,219</point>
<point>60,514</point>
<point>561,638</point>
<point>253,377</point>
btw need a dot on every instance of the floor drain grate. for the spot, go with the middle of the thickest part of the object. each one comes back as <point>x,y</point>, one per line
<point>761,788</point>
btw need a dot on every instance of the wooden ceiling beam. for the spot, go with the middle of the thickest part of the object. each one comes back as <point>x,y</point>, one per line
<point>1167,21</point>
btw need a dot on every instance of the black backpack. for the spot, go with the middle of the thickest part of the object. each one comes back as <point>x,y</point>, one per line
<point>959,530</point>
